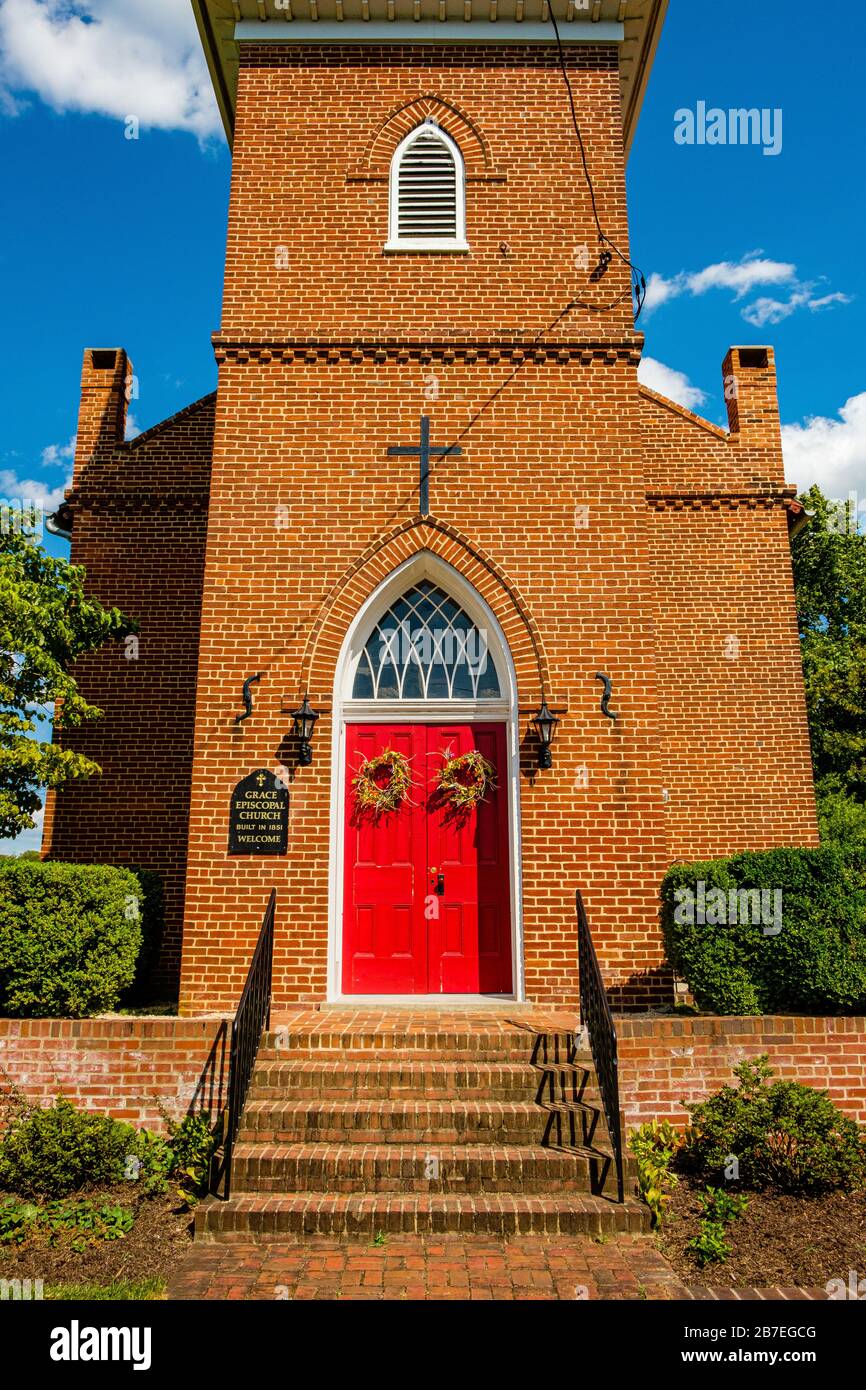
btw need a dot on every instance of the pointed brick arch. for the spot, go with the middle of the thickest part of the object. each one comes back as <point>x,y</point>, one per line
<point>355,586</point>
<point>375,162</point>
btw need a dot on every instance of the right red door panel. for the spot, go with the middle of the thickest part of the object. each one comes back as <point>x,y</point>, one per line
<point>427,898</point>
<point>469,940</point>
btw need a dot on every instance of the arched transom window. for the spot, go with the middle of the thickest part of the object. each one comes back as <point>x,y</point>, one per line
<point>427,193</point>
<point>426,647</point>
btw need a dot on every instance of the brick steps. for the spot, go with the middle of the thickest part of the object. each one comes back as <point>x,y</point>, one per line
<point>393,1044</point>
<point>416,1121</point>
<point>421,1127</point>
<point>260,1217</point>
<point>401,1080</point>
<point>445,1168</point>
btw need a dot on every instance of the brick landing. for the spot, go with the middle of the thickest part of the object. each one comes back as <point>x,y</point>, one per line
<point>497,1015</point>
<point>447,1267</point>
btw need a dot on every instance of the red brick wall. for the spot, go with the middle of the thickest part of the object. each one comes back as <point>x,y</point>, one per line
<point>607,529</point>
<point>136,1069</point>
<point>663,1061</point>
<point>140,513</point>
<point>734,737</point>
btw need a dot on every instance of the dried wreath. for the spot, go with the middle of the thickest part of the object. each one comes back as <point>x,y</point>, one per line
<point>373,794</point>
<point>466,779</point>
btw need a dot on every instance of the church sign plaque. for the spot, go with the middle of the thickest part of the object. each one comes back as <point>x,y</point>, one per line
<point>259,815</point>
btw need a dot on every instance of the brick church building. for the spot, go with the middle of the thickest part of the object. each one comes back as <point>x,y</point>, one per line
<point>430,502</point>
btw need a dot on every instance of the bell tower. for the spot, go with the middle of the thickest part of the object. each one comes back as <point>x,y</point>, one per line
<point>413,253</point>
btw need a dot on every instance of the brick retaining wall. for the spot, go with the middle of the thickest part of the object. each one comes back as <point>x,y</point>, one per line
<point>664,1061</point>
<point>133,1068</point>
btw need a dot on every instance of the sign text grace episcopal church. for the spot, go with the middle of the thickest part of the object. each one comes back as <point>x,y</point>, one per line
<point>427,506</point>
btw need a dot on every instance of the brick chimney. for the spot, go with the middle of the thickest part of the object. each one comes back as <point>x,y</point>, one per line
<point>749,377</point>
<point>105,375</point>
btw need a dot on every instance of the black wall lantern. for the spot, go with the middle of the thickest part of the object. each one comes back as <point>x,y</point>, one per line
<point>545,723</point>
<point>305,722</point>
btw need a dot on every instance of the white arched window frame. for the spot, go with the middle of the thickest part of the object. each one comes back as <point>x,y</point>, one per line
<point>428,130</point>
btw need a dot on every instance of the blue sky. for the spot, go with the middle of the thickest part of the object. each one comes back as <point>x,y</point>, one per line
<point>110,241</point>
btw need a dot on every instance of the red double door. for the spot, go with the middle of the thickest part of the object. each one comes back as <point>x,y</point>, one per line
<point>427,900</point>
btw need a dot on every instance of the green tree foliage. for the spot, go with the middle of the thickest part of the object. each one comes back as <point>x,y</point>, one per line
<point>46,622</point>
<point>829,556</point>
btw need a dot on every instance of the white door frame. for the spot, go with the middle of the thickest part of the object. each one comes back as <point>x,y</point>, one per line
<point>424,565</point>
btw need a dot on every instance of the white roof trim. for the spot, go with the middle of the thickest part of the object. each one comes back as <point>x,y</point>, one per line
<point>424,31</point>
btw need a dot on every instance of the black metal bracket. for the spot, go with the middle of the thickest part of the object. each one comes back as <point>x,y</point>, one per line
<point>604,706</point>
<point>247,697</point>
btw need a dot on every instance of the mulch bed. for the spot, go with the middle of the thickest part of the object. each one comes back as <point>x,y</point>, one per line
<point>780,1239</point>
<point>155,1245</point>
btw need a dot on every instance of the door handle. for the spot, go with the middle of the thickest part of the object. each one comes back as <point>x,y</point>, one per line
<point>440,883</point>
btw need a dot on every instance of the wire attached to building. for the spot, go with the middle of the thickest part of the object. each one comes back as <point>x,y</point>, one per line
<point>638,281</point>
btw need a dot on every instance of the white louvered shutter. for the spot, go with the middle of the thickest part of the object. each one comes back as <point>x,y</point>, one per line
<point>427,190</point>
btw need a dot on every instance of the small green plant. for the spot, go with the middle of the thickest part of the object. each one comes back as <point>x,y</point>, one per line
<point>784,1135</point>
<point>380,1239</point>
<point>192,1143</point>
<point>709,1244</point>
<point>655,1145</point>
<point>720,1208</point>
<point>719,1205</point>
<point>84,1223</point>
<point>16,1220</point>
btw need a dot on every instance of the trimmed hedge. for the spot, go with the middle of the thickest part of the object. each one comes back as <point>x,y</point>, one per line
<point>70,937</point>
<point>815,963</point>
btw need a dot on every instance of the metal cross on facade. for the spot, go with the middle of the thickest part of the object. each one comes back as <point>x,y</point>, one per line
<point>424,452</point>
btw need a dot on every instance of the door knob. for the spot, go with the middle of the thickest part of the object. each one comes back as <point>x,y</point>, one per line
<point>440,883</point>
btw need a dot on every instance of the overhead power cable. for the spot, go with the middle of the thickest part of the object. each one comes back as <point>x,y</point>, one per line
<point>637,277</point>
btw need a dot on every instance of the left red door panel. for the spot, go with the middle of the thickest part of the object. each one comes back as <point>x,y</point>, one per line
<point>384,941</point>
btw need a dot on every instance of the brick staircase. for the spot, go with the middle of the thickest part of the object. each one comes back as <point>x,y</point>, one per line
<point>479,1125</point>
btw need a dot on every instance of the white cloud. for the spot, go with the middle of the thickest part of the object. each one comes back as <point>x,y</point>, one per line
<point>55,454</point>
<point>741,277</point>
<point>669,382</point>
<point>27,490</point>
<point>766,310</point>
<point>829,452</point>
<point>114,58</point>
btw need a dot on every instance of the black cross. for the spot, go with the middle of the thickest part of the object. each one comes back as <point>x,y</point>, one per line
<point>423,452</point>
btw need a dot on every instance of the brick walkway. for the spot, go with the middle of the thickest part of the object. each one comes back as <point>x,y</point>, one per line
<point>420,1267</point>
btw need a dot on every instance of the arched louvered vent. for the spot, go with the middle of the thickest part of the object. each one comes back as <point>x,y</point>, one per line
<point>427,195</point>
<point>427,190</point>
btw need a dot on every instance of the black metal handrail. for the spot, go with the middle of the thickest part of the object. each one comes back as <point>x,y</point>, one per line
<point>252,1017</point>
<point>596,1017</point>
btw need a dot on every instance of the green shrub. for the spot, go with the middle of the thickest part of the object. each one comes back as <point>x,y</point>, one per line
<point>70,937</point>
<point>816,962</point>
<point>783,1135</point>
<point>58,1149</point>
<point>53,1151</point>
